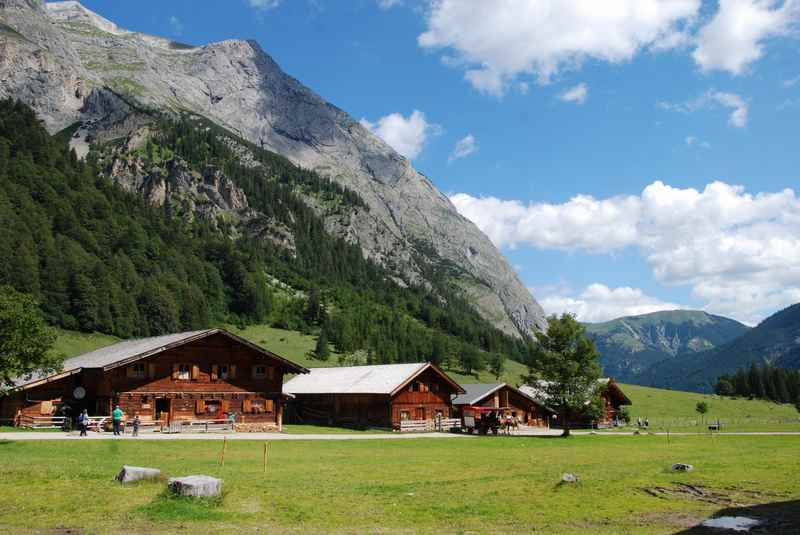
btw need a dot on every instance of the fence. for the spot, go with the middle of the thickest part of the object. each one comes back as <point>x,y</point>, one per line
<point>42,422</point>
<point>440,424</point>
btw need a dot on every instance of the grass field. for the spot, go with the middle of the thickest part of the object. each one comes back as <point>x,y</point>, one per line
<point>481,485</point>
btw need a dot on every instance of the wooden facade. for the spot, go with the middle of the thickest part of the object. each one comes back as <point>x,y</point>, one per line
<point>507,399</point>
<point>206,376</point>
<point>422,395</point>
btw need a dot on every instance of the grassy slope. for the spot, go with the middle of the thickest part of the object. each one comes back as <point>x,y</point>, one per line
<point>483,485</point>
<point>676,410</point>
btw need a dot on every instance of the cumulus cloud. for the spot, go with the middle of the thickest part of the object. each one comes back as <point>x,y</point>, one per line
<point>496,42</point>
<point>263,5</point>
<point>598,302</point>
<point>577,94</point>
<point>739,252</point>
<point>734,38</point>
<point>406,135</point>
<point>464,148</point>
<point>714,99</point>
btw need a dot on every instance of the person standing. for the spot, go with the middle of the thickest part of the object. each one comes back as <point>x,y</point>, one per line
<point>83,422</point>
<point>136,422</point>
<point>116,418</point>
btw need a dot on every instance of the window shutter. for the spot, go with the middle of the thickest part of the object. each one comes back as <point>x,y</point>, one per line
<point>195,372</point>
<point>247,405</point>
<point>253,372</point>
<point>214,372</point>
<point>268,405</point>
<point>175,371</point>
<point>226,405</point>
<point>232,371</point>
<point>199,406</point>
<point>151,370</point>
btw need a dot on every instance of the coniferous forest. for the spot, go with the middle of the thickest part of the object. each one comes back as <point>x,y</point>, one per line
<point>761,382</point>
<point>98,258</point>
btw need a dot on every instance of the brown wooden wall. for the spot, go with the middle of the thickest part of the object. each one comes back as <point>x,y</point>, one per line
<point>423,405</point>
<point>523,408</point>
<point>341,409</point>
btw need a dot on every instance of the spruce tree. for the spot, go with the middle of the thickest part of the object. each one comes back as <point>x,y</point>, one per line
<point>321,351</point>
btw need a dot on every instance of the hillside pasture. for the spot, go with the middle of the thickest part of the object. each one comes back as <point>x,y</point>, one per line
<point>471,484</point>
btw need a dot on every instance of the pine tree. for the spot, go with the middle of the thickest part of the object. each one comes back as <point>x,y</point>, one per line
<point>321,351</point>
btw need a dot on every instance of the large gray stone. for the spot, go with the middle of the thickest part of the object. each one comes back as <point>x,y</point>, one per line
<point>196,486</point>
<point>569,478</point>
<point>681,467</point>
<point>129,474</point>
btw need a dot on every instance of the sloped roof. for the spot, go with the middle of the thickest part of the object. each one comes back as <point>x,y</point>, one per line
<point>110,357</point>
<point>538,393</point>
<point>476,392</point>
<point>376,379</point>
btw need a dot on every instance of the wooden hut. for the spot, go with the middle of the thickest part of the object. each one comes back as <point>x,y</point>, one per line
<point>613,399</point>
<point>375,396</point>
<point>190,376</point>
<point>508,400</point>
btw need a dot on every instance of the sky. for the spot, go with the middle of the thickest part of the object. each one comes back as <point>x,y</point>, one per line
<point>627,156</point>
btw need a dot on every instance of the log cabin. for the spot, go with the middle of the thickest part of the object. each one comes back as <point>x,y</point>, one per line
<point>507,399</point>
<point>612,396</point>
<point>372,396</point>
<point>199,375</point>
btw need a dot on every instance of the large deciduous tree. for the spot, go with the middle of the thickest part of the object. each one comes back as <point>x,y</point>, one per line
<point>25,339</point>
<point>565,367</point>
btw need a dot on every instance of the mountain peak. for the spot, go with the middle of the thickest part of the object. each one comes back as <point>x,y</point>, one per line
<point>75,12</point>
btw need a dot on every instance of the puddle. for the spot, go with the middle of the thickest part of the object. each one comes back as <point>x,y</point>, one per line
<point>734,523</point>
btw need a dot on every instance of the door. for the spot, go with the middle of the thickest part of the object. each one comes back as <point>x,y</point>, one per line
<point>163,409</point>
<point>419,413</point>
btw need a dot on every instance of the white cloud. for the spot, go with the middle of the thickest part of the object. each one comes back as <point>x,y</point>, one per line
<point>263,5</point>
<point>692,141</point>
<point>713,99</point>
<point>598,302</point>
<point>577,94</point>
<point>389,4</point>
<point>739,252</point>
<point>406,135</point>
<point>464,148</point>
<point>176,25</point>
<point>734,38</point>
<point>498,41</point>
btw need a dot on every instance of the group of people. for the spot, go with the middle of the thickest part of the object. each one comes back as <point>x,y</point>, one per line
<point>642,423</point>
<point>117,417</point>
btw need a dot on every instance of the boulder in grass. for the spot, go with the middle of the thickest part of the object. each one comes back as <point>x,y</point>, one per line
<point>196,486</point>
<point>129,474</point>
<point>681,467</point>
<point>569,478</point>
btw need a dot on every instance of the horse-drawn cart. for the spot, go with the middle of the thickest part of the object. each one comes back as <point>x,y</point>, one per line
<point>485,420</point>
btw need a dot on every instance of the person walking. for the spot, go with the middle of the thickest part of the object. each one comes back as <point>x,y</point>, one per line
<point>83,422</point>
<point>116,417</point>
<point>136,422</point>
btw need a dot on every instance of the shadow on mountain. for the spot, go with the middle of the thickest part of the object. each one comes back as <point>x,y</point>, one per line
<point>776,518</point>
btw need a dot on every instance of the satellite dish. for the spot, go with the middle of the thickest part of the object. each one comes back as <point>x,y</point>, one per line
<point>79,392</point>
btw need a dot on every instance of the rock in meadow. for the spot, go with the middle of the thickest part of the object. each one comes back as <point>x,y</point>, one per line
<point>128,474</point>
<point>681,467</point>
<point>196,486</point>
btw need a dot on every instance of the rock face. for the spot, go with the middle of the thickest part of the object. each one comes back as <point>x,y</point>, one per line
<point>129,474</point>
<point>196,486</point>
<point>64,51</point>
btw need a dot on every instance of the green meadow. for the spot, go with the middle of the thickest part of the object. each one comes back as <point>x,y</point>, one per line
<point>460,485</point>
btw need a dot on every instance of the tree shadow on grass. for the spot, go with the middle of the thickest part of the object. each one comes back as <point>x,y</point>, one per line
<point>169,507</point>
<point>775,518</point>
<point>6,442</point>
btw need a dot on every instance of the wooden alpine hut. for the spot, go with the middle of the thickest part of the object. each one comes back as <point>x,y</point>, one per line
<point>509,402</point>
<point>396,396</point>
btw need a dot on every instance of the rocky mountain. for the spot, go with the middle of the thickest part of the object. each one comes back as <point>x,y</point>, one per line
<point>629,346</point>
<point>776,341</point>
<point>72,65</point>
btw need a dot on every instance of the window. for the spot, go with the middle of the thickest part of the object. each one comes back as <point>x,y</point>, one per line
<point>434,387</point>
<point>259,372</point>
<point>138,370</point>
<point>405,415</point>
<point>224,371</point>
<point>184,372</point>
<point>416,386</point>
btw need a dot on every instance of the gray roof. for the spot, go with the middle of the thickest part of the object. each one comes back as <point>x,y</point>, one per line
<point>538,391</point>
<point>476,392</point>
<point>377,379</point>
<point>128,350</point>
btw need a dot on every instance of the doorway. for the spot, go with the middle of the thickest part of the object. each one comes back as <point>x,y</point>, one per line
<point>162,409</point>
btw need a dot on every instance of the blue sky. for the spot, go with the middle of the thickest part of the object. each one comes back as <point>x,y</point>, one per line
<point>627,157</point>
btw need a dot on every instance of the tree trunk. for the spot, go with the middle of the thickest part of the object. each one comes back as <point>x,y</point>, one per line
<point>565,424</point>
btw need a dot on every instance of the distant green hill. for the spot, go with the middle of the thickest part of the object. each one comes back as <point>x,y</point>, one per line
<point>629,346</point>
<point>776,340</point>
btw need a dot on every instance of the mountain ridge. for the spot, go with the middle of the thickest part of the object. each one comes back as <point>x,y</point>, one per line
<point>70,53</point>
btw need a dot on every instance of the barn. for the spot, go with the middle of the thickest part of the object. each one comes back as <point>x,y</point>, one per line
<point>190,376</point>
<point>372,396</point>
<point>507,399</point>
<point>610,392</point>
